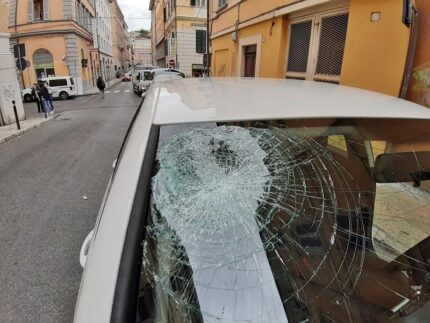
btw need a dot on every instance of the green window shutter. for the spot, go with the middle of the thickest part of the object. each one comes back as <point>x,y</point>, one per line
<point>45,10</point>
<point>193,2</point>
<point>203,41</point>
<point>30,11</point>
<point>200,41</point>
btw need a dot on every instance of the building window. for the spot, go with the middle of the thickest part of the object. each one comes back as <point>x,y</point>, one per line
<point>316,47</point>
<point>38,10</point>
<point>198,3</point>
<point>201,41</point>
<point>250,60</point>
<point>43,63</point>
<point>221,3</point>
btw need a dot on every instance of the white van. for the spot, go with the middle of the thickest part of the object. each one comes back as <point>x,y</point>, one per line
<point>63,87</point>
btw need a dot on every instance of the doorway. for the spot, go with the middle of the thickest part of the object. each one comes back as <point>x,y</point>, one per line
<point>250,60</point>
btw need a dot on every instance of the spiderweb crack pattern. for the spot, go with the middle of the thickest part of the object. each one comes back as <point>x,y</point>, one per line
<point>236,211</point>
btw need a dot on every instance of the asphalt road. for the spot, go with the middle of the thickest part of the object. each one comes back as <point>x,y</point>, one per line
<point>44,218</point>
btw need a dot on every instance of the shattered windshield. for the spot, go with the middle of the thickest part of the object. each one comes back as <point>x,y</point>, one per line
<point>289,221</point>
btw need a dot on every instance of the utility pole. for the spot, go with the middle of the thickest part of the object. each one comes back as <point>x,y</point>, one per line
<point>176,37</point>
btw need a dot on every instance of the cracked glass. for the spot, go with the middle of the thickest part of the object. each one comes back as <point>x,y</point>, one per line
<point>289,221</point>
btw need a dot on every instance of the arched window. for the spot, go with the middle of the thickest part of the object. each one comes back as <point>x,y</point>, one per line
<point>43,63</point>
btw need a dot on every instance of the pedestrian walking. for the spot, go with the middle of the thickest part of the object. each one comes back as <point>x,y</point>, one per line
<point>50,91</point>
<point>36,97</point>
<point>101,86</point>
<point>46,102</point>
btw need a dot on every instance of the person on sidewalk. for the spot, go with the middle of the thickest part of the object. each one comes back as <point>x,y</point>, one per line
<point>47,107</point>
<point>50,91</point>
<point>36,97</point>
<point>101,86</point>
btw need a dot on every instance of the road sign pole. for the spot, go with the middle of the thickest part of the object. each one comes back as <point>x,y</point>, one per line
<point>16,115</point>
<point>20,65</point>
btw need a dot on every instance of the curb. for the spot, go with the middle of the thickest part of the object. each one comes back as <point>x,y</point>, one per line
<point>21,132</point>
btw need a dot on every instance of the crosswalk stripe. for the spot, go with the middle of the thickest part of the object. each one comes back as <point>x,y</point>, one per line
<point>126,91</point>
<point>116,91</point>
<point>107,91</point>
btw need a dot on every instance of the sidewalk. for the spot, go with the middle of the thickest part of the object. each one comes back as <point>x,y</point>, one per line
<point>95,90</point>
<point>9,132</point>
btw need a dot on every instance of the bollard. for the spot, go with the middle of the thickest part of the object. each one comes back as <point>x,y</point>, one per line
<point>16,115</point>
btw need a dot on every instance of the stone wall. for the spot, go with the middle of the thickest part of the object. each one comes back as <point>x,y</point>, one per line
<point>9,87</point>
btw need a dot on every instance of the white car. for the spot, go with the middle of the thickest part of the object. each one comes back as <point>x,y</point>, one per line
<point>146,77</point>
<point>264,200</point>
<point>63,87</point>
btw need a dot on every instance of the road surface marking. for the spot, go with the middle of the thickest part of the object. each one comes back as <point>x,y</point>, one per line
<point>126,91</point>
<point>107,91</point>
<point>116,91</point>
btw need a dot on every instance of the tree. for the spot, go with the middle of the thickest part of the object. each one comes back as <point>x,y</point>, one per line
<point>143,32</point>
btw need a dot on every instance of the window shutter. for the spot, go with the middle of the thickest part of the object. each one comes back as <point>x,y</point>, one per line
<point>30,11</point>
<point>198,41</point>
<point>203,41</point>
<point>332,44</point>
<point>193,2</point>
<point>45,10</point>
<point>300,41</point>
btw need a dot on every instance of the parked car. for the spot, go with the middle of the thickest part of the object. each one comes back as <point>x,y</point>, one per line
<point>126,77</point>
<point>263,200</point>
<point>63,87</point>
<point>146,77</point>
<point>26,95</point>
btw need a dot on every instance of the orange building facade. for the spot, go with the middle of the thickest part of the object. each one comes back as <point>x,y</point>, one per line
<point>58,39</point>
<point>337,41</point>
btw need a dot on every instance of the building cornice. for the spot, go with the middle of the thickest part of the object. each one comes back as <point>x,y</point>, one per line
<point>50,32</point>
<point>41,29</point>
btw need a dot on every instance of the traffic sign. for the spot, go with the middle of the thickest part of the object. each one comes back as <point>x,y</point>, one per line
<point>21,64</point>
<point>172,63</point>
<point>19,50</point>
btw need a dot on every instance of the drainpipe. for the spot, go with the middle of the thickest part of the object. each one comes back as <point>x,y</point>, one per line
<point>176,36</point>
<point>412,20</point>
<point>98,40</point>
<point>207,37</point>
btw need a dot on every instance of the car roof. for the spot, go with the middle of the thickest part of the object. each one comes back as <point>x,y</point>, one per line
<point>240,99</point>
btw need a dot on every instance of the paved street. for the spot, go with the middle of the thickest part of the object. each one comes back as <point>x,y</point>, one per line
<point>44,175</point>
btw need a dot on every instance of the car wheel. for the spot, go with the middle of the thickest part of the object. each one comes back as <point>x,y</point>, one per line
<point>27,98</point>
<point>63,95</point>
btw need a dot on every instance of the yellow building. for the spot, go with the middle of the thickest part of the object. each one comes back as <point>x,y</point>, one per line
<point>179,34</point>
<point>361,43</point>
<point>57,35</point>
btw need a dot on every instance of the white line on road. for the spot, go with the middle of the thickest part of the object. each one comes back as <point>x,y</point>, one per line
<point>116,91</point>
<point>126,91</point>
<point>107,91</point>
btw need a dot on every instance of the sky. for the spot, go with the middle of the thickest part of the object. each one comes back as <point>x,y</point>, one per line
<point>136,9</point>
